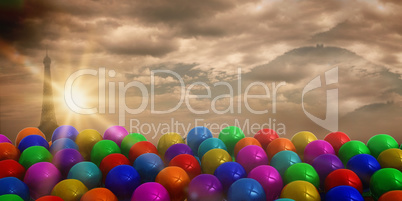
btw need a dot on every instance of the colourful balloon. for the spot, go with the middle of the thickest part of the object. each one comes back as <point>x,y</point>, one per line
<point>176,181</point>
<point>302,171</point>
<point>122,180</point>
<point>385,180</point>
<point>246,189</point>
<point>205,187</point>
<point>150,191</point>
<point>265,136</point>
<point>209,144</point>
<point>252,156</point>
<point>116,134</point>
<point>140,148</point>
<point>316,148</point>
<point>391,158</point>
<point>245,142</point>
<point>283,160</point>
<point>41,178</point>
<point>111,161</point>
<point>343,193</point>
<point>86,172</point>
<point>325,164</point>
<point>34,155</point>
<point>129,141</point>
<point>350,149</point>
<point>270,180</point>
<point>9,151</point>
<point>188,163</point>
<point>277,145</point>
<point>168,140</point>
<point>27,131</point>
<point>391,195</point>
<point>10,197</point>
<point>343,177</point>
<point>230,136</point>
<point>300,191</point>
<point>50,198</point>
<point>85,140</point>
<point>364,165</point>
<point>11,168</point>
<point>63,143</point>
<point>228,173</point>
<point>148,166</point>
<point>213,159</point>
<point>65,159</point>
<point>176,150</point>
<point>300,140</point>
<point>12,185</point>
<point>4,138</point>
<point>337,139</point>
<point>196,136</point>
<point>32,140</point>
<point>380,143</point>
<point>64,131</point>
<point>103,148</point>
<point>70,190</point>
<point>99,194</point>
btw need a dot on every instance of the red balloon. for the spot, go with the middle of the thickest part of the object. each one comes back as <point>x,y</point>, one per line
<point>188,163</point>
<point>265,136</point>
<point>9,151</point>
<point>140,148</point>
<point>343,177</point>
<point>111,161</point>
<point>11,168</point>
<point>337,139</point>
<point>395,195</point>
<point>50,198</point>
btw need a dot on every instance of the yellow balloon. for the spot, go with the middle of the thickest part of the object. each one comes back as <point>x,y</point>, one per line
<point>300,191</point>
<point>213,159</point>
<point>300,140</point>
<point>69,190</point>
<point>85,140</point>
<point>391,158</point>
<point>168,140</point>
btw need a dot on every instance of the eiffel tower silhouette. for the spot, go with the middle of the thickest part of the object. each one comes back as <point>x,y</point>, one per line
<point>48,121</point>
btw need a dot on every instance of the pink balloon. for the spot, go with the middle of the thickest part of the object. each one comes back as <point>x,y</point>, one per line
<point>317,148</point>
<point>270,180</point>
<point>251,156</point>
<point>41,178</point>
<point>116,134</point>
<point>150,191</point>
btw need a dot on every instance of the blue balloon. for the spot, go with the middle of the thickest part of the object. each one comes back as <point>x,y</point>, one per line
<point>347,193</point>
<point>12,185</point>
<point>87,172</point>
<point>364,165</point>
<point>122,180</point>
<point>32,140</point>
<point>196,136</point>
<point>64,131</point>
<point>148,166</point>
<point>210,143</point>
<point>228,173</point>
<point>63,143</point>
<point>246,189</point>
<point>283,160</point>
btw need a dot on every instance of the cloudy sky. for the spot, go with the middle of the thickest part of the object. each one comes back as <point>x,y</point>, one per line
<point>268,41</point>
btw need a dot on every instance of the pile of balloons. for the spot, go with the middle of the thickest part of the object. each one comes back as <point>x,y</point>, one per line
<point>88,166</point>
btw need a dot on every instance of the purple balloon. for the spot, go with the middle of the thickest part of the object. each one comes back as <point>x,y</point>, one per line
<point>205,187</point>
<point>116,134</point>
<point>251,156</point>
<point>64,131</point>
<point>65,159</point>
<point>176,150</point>
<point>3,138</point>
<point>150,191</point>
<point>270,180</point>
<point>316,148</point>
<point>325,164</point>
<point>41,178</point>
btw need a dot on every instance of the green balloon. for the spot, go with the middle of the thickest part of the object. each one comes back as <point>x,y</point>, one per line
<point>129,141</point>
<point>384,180</point>
<point>103,148</point>
<point>350,149</point>
<point>302,171</point>
<point>10,197</point>
<point>35,154</point>
<point>380,143</point>
<point>230,136</point>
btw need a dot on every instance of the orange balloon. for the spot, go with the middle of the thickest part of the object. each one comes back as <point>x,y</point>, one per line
<point>395,195</point>
<point>279,144</point>
<point>50,143</point>
<point>28,131</point>
<point>245,142</point>
<point>9,151</point>
<point>175,180</point>
<point>99,194</point>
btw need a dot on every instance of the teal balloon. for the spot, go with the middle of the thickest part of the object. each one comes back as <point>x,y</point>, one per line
<point>230,136</point>
<point>86,172</point>
<point>283,160</point>
<point>208,144</point>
